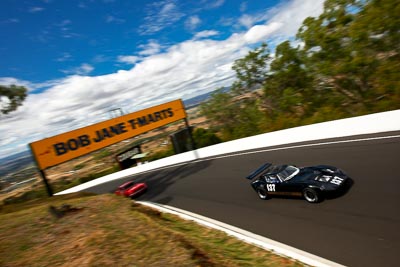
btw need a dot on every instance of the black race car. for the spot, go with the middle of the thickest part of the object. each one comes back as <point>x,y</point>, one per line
<point>313,183</point>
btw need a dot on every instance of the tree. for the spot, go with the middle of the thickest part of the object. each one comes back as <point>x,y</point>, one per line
<point>204,137</point>
<point>327,46</point>
<point>11,97</point>
<point>220,111</point>
<point>376,35</point>
<point>289,82</point>
<point>347,64</point>
<point>237,115</point>
<point>348,45</point>
<point>251,71</point>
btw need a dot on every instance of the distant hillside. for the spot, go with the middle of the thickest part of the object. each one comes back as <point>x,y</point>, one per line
<point>192,102</point>
<point>15,162</point>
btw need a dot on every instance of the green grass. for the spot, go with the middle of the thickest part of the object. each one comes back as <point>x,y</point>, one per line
<point>110,230</point>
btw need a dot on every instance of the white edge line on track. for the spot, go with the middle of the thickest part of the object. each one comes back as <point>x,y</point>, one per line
<point>300,146</point>
<point>246,236</point>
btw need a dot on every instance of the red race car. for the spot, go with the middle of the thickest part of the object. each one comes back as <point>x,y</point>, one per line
<point>131,189</point>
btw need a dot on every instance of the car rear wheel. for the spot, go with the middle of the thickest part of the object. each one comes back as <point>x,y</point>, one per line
<point>262,193</point>
<point>311,195</point>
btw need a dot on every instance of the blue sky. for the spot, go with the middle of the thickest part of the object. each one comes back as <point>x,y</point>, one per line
<point>45,40</point>
<point>81,58</point>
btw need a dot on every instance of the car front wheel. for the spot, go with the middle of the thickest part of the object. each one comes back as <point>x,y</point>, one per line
<point>262,193</point>
<point>311,195</point>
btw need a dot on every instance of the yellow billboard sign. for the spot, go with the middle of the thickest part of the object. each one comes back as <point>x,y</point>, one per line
<point>63,147</point>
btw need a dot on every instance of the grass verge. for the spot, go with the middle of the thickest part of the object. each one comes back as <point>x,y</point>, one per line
<point>105,230</point>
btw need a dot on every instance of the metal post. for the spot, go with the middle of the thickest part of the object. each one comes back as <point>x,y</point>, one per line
<point>46,183</point>
<point>42,173</point>
<point>190,134</point>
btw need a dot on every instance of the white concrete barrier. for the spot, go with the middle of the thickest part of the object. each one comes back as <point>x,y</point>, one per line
<point>368,124</point>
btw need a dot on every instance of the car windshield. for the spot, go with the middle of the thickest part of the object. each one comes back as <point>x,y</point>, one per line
<point>125,186</point>
<point>288,173</point>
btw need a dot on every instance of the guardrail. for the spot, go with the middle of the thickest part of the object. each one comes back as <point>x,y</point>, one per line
<point>368,124</point>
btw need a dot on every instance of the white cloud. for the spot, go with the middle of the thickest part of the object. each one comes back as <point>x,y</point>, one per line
<point>64,57</point>
<point>259,33</point>
<point>4,102</point>
<point>214,4</point>
<point>128,59</point>
<point>227,22</point>
<point>183,70</point>
<point>64,23</point>
<point>243,7</point>
<point>150,49</point>
<point>160,15</point>
<point>247,21</point>
<point>100,59</point>
<point>192,22</point>
<point>83,69</point>
<point>31,87</point>
<point>7,81</point>
<point>113,19</point>
<point>205,34</point>
<point>35,9</point>
<point>10,21</point>
<point>292,14</point>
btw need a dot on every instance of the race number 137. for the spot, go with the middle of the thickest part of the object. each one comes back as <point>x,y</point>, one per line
<point>271,187</point>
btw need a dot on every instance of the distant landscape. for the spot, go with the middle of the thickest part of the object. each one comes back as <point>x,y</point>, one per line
<point>15,162</point>
<point>197,100</point>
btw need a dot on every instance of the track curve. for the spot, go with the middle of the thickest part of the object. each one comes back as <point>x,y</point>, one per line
<point>359,228</point>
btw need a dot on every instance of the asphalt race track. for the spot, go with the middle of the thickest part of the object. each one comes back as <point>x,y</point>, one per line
<point>359,228</point>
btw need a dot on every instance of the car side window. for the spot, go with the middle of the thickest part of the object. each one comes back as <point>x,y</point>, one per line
<point>127,186</point>
<point>272,179</point>
<point>264,178</point>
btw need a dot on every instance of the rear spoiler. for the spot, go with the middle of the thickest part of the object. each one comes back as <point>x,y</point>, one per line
<point>258,171</point>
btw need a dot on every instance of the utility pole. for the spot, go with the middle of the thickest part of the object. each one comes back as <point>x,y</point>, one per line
<point>115,112</point>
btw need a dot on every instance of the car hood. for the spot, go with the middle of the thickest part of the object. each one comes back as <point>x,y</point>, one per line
<point>322,174</point>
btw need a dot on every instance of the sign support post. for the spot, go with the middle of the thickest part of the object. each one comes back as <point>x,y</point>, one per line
<point>42,174</point>
<point>46,183</point>
<point>190,134</point>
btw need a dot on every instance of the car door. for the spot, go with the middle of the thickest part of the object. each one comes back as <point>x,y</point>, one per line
<point>272,184</point>
<point>291,187</point>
